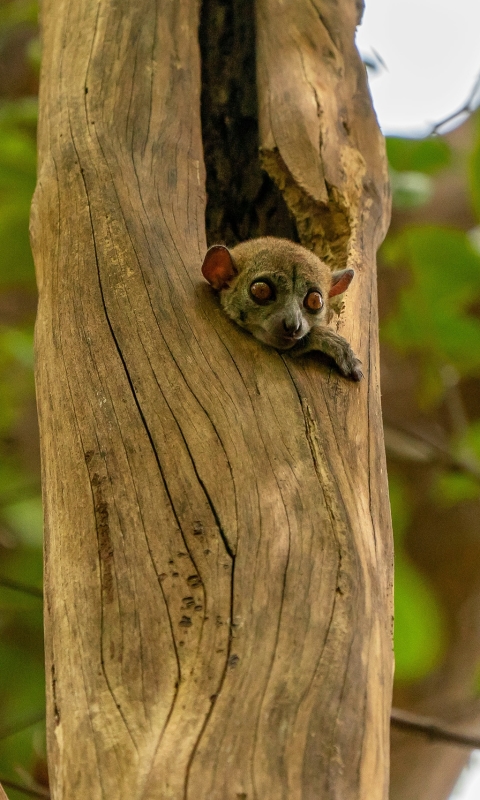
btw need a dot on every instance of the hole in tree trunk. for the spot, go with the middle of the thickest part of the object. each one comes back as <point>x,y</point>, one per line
<point>242,201</point>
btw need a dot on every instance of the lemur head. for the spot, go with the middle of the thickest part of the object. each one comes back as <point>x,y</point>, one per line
<point>274,288</point>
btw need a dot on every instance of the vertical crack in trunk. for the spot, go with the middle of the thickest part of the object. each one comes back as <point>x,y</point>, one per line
<point>260,666</point>
<point>242,200</point>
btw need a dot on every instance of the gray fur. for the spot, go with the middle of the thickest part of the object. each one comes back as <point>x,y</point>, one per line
<point>285,323</point>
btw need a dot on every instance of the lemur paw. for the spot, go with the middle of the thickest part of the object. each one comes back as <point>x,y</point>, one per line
<point>351,368</point>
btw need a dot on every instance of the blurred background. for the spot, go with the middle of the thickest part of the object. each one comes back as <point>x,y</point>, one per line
<point>22,703</point>
<point>429,295</point>
<point>423,62</point>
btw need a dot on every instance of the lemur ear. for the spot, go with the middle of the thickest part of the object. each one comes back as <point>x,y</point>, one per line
<point>340,281</point>
<point>218,266</point>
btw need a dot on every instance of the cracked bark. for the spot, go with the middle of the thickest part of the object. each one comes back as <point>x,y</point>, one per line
<point>218,553</point>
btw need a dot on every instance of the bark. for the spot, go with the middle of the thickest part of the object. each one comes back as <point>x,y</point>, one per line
<point>218,550</point>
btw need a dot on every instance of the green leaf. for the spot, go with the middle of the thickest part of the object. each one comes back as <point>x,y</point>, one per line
<point>450,488</point>
<point>18,344</point>
<point>34,53</point>
<point>418,155</point>
<point>476,682</point>
<point>474,170</point>
<point>13,482</point>
<point>25,517</point>
<point>17,156</point>
<point>22,113</point>
<point>16,374</point>
<point>15,13</point>
<point>17,183</point>
<point>419,626</point>
<point>17,262</point>
<point>22,692</point>
<point>410,189</point>
<point>432,318</point>
<point>470,441</point>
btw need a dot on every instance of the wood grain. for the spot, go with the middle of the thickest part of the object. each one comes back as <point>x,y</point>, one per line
<point>320,142</point>
<point>217,540</point>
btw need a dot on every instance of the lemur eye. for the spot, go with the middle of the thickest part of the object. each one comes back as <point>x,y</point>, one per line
<point>313,301</point>
<point>262,292</point>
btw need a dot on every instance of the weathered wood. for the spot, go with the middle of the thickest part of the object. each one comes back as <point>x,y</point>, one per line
<point>217,557</point>
<point>320,142</point>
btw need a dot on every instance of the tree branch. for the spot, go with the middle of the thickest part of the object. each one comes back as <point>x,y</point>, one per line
<point>467,108</point>
<point>417,446</point>
<point>432,728</point>
<point>17,586</point>
<point>19,788</point>
<point>11,730</point>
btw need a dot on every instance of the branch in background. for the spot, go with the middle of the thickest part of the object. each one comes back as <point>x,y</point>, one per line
<point>406,445</point>
<point>17,586</point>
<point>453,399</point>
<point>467,108</point>
<point>417,446</point>
<point>432,728</point>
<point>43,793</point>
<point>10,730</point>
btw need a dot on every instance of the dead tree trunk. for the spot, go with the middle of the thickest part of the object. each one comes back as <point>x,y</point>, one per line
<point>218,550</point>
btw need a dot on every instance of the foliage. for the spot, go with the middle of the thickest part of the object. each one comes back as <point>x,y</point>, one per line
<point>426,156</point>
<point>413,162</point>
<point>14,14</point>
<point>434,319</point>
<point>474,171</point>
<point>21,639</point>
<point>435,322</point>
<point>419,626</point>
<point>17,182</point>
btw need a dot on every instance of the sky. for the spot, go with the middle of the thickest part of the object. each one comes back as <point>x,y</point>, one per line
<point>468,786</point>
<point>431,55</point>
<point>431,49</point>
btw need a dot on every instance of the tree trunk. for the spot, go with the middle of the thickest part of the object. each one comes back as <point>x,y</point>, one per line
<point>218,548</point>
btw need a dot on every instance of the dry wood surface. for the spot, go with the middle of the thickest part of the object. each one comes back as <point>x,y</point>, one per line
<point>320,142</point>
<point>217,544</point>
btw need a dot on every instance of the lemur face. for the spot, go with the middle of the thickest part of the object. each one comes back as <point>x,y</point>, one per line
<point>274,288</point>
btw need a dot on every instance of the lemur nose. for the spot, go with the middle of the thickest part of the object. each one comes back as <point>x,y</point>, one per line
<point>292,326</point>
